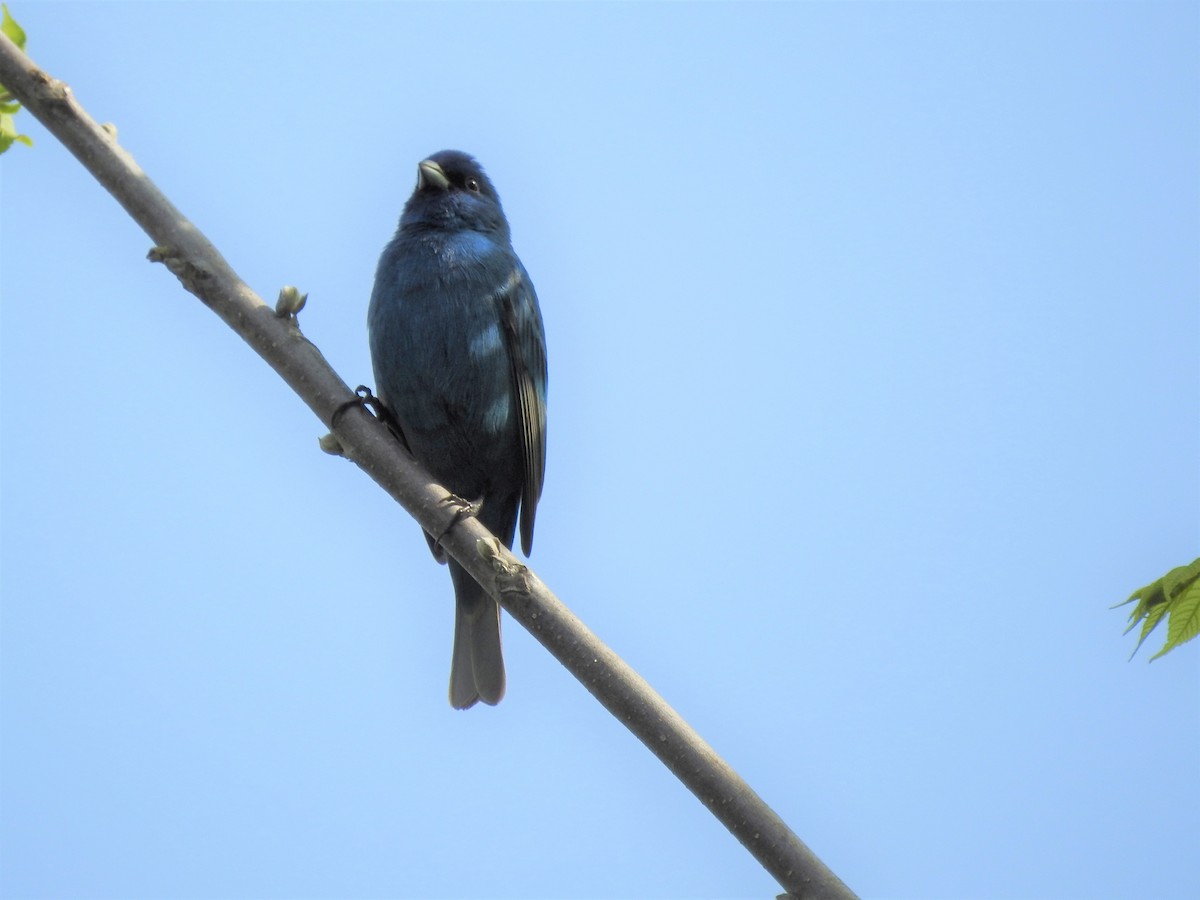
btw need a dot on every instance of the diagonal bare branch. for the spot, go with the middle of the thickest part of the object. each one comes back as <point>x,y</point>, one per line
<point>364,440</point>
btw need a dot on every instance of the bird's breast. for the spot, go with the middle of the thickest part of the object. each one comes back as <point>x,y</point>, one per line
<point>462,249</point>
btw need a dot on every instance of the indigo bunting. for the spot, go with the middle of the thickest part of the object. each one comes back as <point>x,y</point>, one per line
<point>459,355</point>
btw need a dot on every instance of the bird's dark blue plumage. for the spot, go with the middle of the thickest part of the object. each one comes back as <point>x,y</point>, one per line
<point>459,355</point>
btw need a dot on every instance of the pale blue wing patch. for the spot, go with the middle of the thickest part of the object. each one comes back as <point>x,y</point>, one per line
<point>490,341</point>
<point>486,342</point>
<point>495,417</point>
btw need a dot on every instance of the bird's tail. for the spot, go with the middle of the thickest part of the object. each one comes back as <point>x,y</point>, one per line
<point>477,667</point>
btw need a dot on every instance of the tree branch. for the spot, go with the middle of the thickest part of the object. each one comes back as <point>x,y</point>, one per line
<point>203,272</point>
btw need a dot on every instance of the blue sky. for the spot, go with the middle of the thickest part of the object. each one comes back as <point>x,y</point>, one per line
<point>873,383</point>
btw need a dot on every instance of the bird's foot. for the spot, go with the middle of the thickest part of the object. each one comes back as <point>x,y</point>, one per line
<point>368,401</point>
<point>364,398</point>
<point>465,509</point>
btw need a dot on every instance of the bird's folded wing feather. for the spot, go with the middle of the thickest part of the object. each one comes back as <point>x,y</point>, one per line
<point>527,352</point>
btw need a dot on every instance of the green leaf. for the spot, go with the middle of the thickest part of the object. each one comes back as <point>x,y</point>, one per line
<point>8,133</point>
<point>1175,596</point>
<point>1185,615</point>
<point>1150,615</point>
<point>11,29</point>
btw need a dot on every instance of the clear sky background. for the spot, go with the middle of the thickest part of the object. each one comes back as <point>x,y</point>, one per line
<point>873,383</point>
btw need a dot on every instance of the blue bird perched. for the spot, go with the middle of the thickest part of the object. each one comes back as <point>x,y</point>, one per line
<point>459,355</point>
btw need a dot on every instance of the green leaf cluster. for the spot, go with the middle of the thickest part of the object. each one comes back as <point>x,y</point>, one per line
<point>1176,597</point>
<point>9,106</point>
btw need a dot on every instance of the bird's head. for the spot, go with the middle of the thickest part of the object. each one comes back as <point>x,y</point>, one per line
<point>454,192</point>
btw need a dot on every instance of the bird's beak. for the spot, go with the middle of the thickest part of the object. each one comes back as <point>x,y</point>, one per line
<point>430,174</point>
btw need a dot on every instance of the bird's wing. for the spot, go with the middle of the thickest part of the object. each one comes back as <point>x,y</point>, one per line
<point>526,344</point>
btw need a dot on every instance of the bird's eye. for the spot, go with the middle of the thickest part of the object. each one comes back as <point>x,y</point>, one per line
<point>473,185</point>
